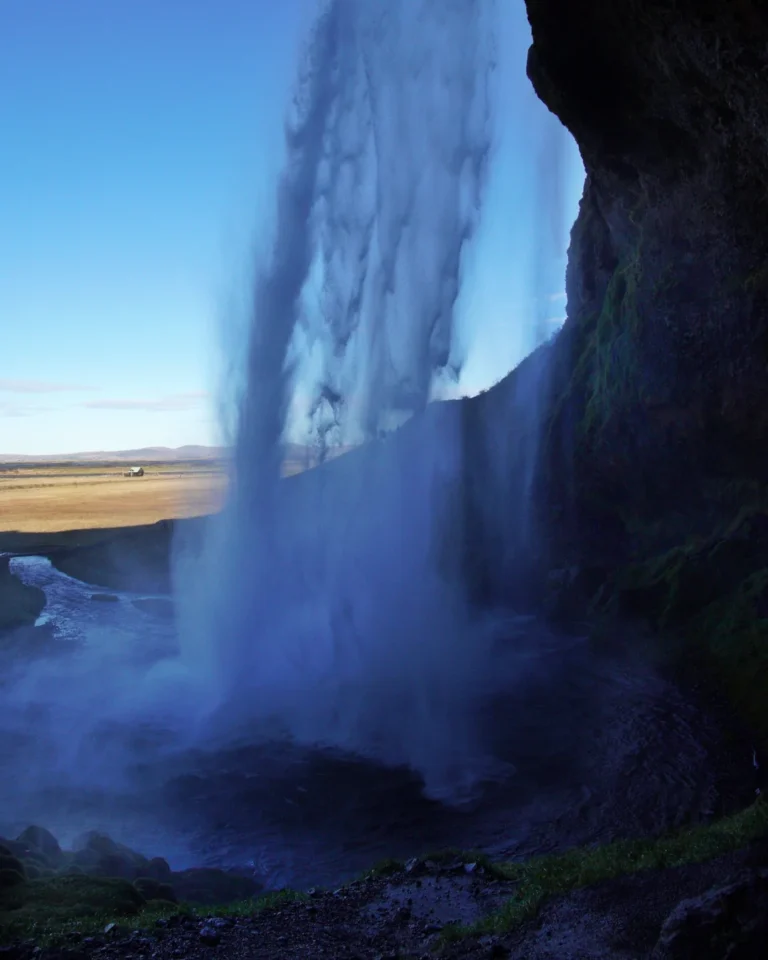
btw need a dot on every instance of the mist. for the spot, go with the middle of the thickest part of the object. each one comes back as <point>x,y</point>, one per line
<point>333,611</point>
<point>332,608</point>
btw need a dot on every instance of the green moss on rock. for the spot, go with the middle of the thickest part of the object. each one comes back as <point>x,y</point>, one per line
<point>101,856</point>
<point>35,868</point>
<point>11,864</point>
<point>10,878</point>
<point>710,598</point>
<point>62,903</point>
<point>733,631</point>
<point>43,841</point>
<point>610,357</point>
<point>152,889</point>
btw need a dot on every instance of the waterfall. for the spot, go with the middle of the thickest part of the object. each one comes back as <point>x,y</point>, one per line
<point>331,608</point>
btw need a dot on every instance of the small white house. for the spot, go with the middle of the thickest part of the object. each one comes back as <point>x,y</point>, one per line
<point>135,472</point>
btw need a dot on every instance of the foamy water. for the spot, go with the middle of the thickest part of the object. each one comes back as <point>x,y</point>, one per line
<point>587,747</point>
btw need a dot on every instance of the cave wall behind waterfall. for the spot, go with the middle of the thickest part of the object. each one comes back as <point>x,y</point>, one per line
<point>656,422</point>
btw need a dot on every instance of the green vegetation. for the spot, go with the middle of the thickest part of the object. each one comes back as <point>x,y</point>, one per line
<point>48,894</point>
<point>544,877</point>
<point>709,597</point>
<point>53,910</point>
<point>734,632</point>
<point>610,351</point>
<point>58,906</point>
<point>385,868</point>
<point>57,909</point>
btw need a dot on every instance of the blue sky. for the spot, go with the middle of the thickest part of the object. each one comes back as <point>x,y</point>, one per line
<point>138,143</point>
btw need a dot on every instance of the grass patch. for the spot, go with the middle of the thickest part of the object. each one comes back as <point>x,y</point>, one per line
<point>60,909</point>
<point>249,908</point>
<point>384,868</point>
<point>75,904</point>
<point>544,877</point>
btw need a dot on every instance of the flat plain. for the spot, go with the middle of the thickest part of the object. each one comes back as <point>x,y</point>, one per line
<point>56,496</point>
<point>53,497</point>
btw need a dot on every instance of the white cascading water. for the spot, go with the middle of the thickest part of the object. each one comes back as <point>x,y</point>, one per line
<point>333,608</point>
<point>327,606</point>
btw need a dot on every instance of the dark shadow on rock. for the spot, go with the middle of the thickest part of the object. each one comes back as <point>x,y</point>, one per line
<point>729,921</point>
<point>20,605</point>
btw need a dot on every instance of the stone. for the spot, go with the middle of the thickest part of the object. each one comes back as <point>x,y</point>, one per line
<point>729,922</point>
<point>210,936</point>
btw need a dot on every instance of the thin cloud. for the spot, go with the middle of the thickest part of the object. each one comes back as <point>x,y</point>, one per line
<point>173,402</point>
<point>39,386</point>
<point>13,410</point>
<point>554,297</point>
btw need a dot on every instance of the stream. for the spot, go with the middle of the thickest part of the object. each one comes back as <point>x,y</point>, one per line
<point>593,744</point>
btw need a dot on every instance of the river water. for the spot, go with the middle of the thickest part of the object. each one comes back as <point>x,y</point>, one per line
<point>592,744</point>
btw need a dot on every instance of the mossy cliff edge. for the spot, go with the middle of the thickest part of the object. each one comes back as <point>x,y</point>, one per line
<point>650,464</point>
<point>660,397</point>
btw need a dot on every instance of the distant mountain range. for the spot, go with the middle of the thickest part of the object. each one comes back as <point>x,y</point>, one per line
<point>293,451</point>
<point>142,455</point>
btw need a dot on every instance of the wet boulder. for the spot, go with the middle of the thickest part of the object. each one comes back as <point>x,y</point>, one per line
<point>152,889</point>
<point>729,921</point>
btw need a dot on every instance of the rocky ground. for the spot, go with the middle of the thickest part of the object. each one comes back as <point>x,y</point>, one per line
<point>456,909</point>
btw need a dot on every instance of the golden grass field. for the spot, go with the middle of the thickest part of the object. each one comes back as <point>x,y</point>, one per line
<point>47,498</point>
<point>57,497</point>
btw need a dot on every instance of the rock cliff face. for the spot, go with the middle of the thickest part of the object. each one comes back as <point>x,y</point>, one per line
<point>659,407</point>
<point>645,459</point>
